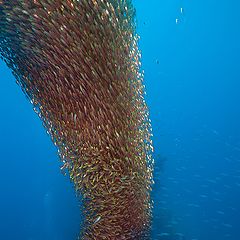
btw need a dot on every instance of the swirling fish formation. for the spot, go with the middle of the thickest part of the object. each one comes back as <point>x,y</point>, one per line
<point>78,63</point>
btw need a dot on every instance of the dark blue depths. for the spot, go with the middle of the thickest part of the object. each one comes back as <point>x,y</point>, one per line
<point>190,55</point>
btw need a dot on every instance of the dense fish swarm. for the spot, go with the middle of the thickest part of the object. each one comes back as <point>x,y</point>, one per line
<point>78,63</point>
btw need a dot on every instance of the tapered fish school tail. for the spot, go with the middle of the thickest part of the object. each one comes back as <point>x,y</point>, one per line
<point>78,62</point>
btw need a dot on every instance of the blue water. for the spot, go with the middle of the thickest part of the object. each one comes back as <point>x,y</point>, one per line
<point>190,54</point>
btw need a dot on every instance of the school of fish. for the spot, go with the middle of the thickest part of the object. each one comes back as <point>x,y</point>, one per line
<point>78,63</point>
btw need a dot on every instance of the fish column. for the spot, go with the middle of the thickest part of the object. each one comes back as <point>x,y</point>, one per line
<point>78,63</point>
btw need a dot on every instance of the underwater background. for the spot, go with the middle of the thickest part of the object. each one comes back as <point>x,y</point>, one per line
<point>190,56</point>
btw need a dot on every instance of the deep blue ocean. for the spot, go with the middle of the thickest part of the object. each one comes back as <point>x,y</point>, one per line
<point>191,59</point>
